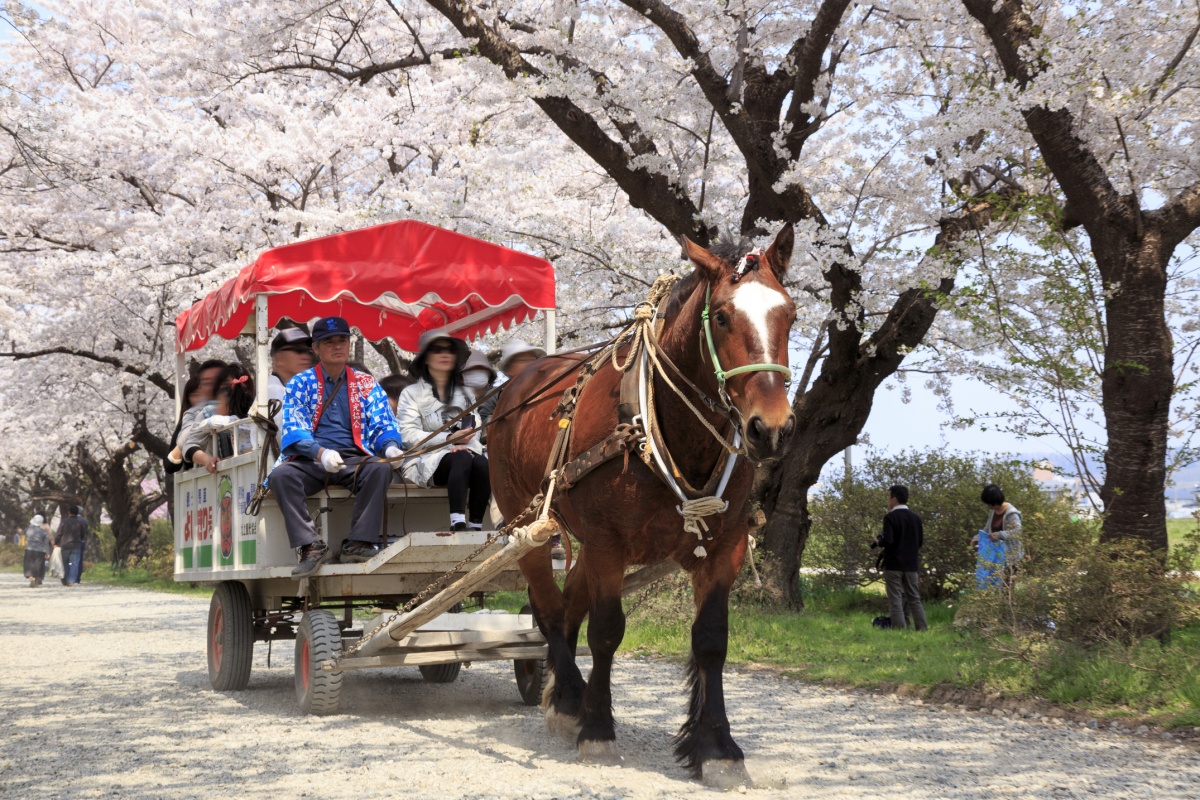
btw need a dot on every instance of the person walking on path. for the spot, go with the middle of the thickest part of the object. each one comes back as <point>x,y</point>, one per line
<point>72,538</point>
<point>37,550</point>
<point>901,540</point>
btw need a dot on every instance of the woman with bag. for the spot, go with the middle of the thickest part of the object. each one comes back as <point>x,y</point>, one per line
<point>437,397</point>
<point>37,550</point>
<point>999,543</point>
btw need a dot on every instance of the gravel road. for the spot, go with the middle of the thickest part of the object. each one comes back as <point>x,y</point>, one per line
<point>105,694</point>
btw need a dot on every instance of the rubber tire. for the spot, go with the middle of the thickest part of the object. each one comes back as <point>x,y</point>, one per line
<point>531,675</point>
<point>318,638</point>
<point>443,673</point>
<point>230,636</point>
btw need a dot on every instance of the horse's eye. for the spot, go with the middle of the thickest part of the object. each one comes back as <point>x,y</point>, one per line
<point>722,320</point>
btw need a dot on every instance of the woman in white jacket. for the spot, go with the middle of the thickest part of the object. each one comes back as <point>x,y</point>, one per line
<point>437,397</point>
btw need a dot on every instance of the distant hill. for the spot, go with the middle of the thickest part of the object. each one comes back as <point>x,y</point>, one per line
<point>1186,478</point>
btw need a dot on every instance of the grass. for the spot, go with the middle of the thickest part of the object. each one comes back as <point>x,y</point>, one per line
<point>832,642</point>
<point>1177,532</point>
<point>138,578</point>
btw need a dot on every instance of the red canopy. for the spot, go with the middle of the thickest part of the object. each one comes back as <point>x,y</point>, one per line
<point>392,280</point>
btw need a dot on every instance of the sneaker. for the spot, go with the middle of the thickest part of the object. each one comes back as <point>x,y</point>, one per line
<point>557,552</point>
<point>311,556</point>
<point>458,526</point>
<point>357,552</point>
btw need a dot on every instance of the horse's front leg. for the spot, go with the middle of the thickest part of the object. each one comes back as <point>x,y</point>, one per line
<point>563,697</point>
<point>606,628</point>
<point>704,743</point>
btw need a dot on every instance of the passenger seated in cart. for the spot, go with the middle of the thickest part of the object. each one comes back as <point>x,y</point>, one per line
<point>437,397</point>
<point>235,396</point>
<point>197,392</point>
<point>335,420</point>
<point>291,354</point>
<point>393,385</point>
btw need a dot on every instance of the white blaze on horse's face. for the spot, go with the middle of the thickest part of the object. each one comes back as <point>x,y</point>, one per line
<point>755,301</point>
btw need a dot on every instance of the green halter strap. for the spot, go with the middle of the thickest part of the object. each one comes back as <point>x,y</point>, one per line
<point>721,374</point>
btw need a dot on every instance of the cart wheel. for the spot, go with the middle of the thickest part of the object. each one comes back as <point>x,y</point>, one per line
<point>531,675</point>
<point>440,673</point>
<point>318,638</point>
<point>230,637</point>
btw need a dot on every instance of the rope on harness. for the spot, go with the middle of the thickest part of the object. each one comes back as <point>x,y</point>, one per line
<point>693,513</point>
<point>268,454</point>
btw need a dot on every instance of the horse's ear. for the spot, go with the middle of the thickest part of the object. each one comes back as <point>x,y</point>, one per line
<point>779,254</point>
<point>709,265</point>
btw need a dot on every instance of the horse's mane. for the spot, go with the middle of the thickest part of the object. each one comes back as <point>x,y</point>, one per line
<point>725,248</point>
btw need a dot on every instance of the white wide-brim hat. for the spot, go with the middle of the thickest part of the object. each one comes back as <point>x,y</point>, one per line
<point>516,348</point>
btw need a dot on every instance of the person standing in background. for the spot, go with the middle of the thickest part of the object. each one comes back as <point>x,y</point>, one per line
<point>901,539</point>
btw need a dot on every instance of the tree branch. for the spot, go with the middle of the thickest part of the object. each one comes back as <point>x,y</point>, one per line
<point>660,197</point>
<point>155,378</point>
<point>1091,198</point>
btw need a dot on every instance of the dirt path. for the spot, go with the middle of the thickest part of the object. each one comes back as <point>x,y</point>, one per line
<point>105,694</point>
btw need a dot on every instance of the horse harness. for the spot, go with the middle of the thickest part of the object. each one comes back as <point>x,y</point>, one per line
<point>638,429</point>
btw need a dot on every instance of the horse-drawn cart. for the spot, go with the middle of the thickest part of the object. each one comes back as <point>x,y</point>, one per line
<point>390,281</point>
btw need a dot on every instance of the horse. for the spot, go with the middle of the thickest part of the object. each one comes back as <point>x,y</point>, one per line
<point>725,326</point>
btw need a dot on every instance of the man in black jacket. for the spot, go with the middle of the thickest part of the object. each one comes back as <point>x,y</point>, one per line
<point>901,540</point>
<point>72,538</point>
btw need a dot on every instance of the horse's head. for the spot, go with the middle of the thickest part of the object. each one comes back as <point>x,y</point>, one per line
<point>749,317</point>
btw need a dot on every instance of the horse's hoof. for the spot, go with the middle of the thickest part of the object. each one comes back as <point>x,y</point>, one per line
<point>725,774</point>
<point>562,724</point>
<point>602,753</point>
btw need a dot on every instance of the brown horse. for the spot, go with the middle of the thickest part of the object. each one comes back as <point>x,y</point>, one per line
<point>625,514</point>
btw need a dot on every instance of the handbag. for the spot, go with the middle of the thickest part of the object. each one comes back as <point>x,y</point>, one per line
<point>56,563</point>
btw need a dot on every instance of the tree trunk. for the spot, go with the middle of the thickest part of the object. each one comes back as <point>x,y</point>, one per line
<point>1136,387</point>
<point>829,418</point>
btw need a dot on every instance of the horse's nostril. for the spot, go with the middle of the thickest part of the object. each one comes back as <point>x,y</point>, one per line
<point>789,428</point>
<point>758,431</point>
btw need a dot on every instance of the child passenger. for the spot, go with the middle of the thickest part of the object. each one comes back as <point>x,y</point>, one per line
<point>235,397</point>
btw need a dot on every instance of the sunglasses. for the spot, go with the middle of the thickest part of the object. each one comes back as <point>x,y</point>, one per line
<point>301,350</point>
<point>440,349</point>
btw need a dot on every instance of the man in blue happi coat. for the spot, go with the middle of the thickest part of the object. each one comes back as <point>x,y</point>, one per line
<point>335,420</point>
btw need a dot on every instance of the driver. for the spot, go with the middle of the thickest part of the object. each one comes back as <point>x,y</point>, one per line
<point>334,420</point>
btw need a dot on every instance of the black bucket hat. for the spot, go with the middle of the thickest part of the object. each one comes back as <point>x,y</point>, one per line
<point>291,338</point>
<point>461,350</point>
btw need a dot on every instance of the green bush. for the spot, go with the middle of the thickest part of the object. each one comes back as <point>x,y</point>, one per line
<point>944,489</point>
<point>1116,593</point>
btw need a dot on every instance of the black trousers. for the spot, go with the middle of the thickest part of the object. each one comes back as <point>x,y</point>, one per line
<point>292,482</point>
<point>464,473</point>
<point>35,564</point>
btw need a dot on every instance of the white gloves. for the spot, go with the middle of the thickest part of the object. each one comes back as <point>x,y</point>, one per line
<point>332,461</point>
<point>393,452</point>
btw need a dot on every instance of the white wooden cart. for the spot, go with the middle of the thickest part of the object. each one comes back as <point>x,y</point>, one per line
<point>389,281</point>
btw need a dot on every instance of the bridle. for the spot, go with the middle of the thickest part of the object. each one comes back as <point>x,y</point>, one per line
<point>749,262</point>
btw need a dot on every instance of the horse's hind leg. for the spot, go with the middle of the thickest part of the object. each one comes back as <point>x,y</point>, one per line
<point>606,628</point>
<point>704,743</point>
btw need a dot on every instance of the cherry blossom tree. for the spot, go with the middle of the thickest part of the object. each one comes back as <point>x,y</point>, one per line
<point>1107,94</point>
